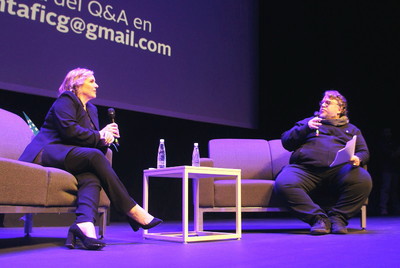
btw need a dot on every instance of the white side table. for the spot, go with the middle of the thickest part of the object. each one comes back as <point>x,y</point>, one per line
<point>195,173</point>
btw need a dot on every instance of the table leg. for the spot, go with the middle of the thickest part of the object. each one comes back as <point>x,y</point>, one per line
<point>239,205</point>
<point>185,209</point>
<point>196,205</point>
<point>145,196</point>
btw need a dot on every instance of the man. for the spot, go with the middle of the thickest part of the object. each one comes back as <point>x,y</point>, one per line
<point>314,143</point>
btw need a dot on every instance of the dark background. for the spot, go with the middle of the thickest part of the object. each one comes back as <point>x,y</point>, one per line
<point>306,47</point>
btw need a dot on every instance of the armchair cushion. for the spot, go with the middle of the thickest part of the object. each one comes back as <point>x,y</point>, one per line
<point>206,187</point>
<point>255,193</point>
<point>279,156</point>
<point>22,183</point>
<point>253,157</point>
<point>62,188</point>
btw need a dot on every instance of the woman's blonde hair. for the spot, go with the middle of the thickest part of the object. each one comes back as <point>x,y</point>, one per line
<point>74,79</point>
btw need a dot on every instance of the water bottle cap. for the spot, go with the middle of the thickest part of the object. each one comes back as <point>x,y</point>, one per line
<point>196,144</point>
<point>161,140</point>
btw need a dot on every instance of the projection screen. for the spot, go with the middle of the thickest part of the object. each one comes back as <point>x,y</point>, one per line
<point>195,60</point>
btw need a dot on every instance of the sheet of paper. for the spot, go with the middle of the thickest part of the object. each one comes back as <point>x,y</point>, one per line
<point>344,155</point>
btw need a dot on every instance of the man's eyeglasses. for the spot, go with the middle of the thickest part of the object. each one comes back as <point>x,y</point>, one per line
<point>328,102</point>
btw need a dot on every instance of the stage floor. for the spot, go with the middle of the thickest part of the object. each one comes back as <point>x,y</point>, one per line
<point>272,242</point>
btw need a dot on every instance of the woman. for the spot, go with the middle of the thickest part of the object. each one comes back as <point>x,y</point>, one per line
<point>70,139</point>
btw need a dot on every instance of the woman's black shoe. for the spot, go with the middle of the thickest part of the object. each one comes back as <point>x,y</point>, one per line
<point>135,225</point>
<point>88,242</point>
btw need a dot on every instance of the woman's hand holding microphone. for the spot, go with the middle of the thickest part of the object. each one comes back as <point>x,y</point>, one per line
<point>109,133</point>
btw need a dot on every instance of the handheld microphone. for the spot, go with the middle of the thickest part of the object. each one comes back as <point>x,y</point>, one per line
<point>316,113</point>
<point>111,114</point>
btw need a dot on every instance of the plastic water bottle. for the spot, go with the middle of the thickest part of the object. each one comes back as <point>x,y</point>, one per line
<point>196,156</point>
<point>162,155</point>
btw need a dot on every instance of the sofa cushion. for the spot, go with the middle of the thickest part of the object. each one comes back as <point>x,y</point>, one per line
<point>63,188</point>
<point>255,193</point>
<point>22,183</point>
<point>279,156</point>
<point>27,184</point>
<point>206,186</point>
<point>15,135</point>
<point>252,156</point>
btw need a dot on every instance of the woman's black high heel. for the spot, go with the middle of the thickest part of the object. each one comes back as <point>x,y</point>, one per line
<point>135,225</point>
<point>88,242</point>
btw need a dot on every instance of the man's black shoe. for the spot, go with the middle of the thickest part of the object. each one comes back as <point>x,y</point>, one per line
<point>338,226</point>
<point>321,226</point>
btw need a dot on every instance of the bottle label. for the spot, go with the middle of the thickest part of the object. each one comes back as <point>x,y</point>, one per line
<point>161,157</point>
<point>196,157</point>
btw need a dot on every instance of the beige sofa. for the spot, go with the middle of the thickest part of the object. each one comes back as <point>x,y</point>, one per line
<point>30,188</point>
<point>260,161</point>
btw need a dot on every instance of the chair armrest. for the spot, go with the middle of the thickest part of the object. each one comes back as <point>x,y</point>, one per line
<point>206,162</point>
<point>206,186</point>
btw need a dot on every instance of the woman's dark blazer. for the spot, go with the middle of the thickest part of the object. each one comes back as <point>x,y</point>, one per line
<point>66,126</point>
